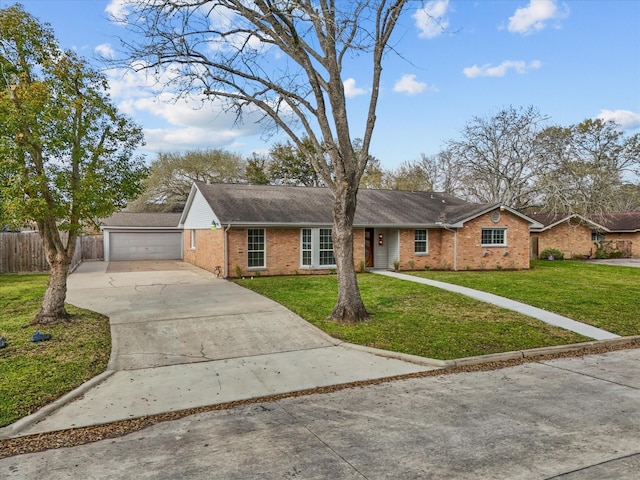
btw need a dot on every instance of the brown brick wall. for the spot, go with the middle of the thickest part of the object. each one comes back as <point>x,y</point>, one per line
<point>209,249</point>
<point>572,239</point>
<point>283,249</point>
<point>282,252</point>
<point>473,256</point>
<point>437,257</point>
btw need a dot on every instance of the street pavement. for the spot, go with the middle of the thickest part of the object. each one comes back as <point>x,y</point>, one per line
<point>571,419</point>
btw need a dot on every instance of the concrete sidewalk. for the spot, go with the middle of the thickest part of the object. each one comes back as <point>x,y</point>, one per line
<point>182,338</point>
<point>542,315</point>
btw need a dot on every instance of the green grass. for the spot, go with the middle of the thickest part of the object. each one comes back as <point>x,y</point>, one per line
<point>604,296</point>
<point>34,374</point>
<point>412,318</point>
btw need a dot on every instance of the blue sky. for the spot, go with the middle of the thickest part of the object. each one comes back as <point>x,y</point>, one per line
<point>572,60</point>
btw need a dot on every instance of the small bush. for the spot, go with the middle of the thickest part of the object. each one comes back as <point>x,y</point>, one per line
<point>551,254</point>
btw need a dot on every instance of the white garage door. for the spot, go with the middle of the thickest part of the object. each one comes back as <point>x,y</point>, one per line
<point>145,245</point>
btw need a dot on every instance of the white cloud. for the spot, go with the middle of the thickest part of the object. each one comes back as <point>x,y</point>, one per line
<point>626,119</point>
<point>118,9</point>
<point>430,19</point>
<point>519,66</point>
<point>409,85</point>
<point>350,89</point>
<point>190,138</point>
<point>534,17</point>
<point>105,50</point>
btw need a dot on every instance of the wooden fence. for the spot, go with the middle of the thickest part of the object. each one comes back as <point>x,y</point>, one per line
<point>23,252</point>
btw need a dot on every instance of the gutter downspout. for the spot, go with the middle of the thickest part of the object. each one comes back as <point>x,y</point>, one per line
<point>455,247</point>
<point>226,251</point>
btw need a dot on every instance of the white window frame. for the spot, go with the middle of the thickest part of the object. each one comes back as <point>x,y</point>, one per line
<point>193,239</point>
<point>310,242</point>
<point>424,241</point>
<point>494,229</point>
<point>263,250</point>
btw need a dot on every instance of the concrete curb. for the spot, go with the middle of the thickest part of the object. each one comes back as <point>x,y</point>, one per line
<point>495,357</point>
<point>431,362</point>
<point>19,425</point>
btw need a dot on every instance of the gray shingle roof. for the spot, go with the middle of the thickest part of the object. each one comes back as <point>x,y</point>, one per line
<point>266,204</point>
<point>143,220</point>
<point>614,222</point>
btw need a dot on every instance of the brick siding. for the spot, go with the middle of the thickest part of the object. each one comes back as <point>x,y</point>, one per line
<point>571,238</point>
<point>282,255</point>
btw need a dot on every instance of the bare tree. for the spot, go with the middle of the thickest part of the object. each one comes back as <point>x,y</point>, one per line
<point>223,47</point>
<point>500,157</point>
<point>595,168</point>
<point>431,173</point>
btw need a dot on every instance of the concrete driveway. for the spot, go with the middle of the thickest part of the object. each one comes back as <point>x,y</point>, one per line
<point>620,262</point>
<point>182,338</point>
<point>171,313</point>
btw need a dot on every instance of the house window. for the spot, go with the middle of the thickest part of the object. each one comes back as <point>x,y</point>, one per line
<point>494,237</point>
<point>596,237</point>
<point>306,247</point>
<point>193,239</point>
<point>421,242</point>
<point>255,248</point>
<point>316,247</point>
<point>326,247</point>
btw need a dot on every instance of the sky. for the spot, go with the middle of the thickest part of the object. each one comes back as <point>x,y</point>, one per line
<point>572,60</point>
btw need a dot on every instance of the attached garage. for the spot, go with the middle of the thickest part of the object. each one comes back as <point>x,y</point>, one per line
<point>142,236</point>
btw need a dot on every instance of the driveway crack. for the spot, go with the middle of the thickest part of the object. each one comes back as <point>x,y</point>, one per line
<point>595,377</point>
<point>306,427</point>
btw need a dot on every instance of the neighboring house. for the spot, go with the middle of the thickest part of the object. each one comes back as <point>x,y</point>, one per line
<point>233,230</point>
<point>142,236</point>
<point>578,236</point>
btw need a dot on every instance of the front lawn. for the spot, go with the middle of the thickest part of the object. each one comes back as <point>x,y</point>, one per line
<point>34,374</point>
<point>412,318</point>
<point>604,296</point>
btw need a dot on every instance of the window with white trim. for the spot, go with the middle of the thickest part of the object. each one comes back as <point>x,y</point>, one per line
<point>596,236</point>
<point>494,237</point>
<point>255,248</point>
<point>316,248</point>
<point>421,241</point>
<point>305,247</point>
<point>193,239</point>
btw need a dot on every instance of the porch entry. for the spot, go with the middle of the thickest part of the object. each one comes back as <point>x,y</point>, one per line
<point>381,247</point>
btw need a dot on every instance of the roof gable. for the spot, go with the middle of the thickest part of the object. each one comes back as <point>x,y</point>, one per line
<point>607,222</point>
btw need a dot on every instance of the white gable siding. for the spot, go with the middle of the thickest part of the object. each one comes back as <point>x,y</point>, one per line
<point>200,214</point>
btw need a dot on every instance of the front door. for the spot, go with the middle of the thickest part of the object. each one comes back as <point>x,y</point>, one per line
<point>368,247</point>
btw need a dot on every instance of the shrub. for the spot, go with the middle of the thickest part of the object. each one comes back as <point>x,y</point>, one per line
<point>551,254</point>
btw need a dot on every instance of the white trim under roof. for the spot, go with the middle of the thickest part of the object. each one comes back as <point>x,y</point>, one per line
<point>542,228</point>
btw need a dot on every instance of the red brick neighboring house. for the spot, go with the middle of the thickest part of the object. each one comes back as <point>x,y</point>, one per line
<point>234,230</point>
<point>581,236</point>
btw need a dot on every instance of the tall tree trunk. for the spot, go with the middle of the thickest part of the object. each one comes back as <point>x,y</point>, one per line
<point>349,307</point>
<point>59,258</point>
